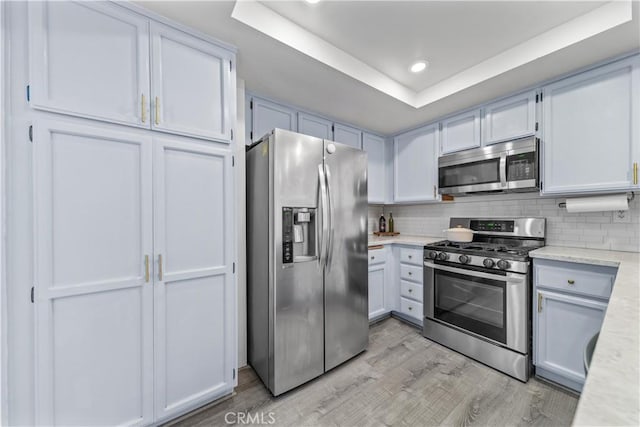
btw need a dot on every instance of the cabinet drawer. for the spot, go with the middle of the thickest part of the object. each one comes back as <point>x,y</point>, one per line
<point>411,272</point>
<point>377,256</point>
<point>411,256</point>
<point>576,278</point>
<point>411,290</point>
<point>411,308</point>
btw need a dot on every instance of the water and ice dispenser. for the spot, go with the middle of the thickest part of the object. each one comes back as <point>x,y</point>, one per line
<point>298,235</point>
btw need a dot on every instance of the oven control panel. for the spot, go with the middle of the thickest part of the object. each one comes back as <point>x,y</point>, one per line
<point>502,226</point>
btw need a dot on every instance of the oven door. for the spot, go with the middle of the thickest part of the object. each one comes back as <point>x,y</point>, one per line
<point>459,173</point>
<point>492,306</point>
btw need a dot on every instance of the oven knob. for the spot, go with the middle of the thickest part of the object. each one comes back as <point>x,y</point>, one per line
<point>443,256</point>
<point>503,265</point>
<point>488,263</point>
<point>432,254</point>
<point>464,259</point>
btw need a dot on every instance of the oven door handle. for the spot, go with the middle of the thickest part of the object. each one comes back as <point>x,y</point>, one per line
<point>509,277</point>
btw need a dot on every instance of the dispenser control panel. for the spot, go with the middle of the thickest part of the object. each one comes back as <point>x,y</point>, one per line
<point>287,235</point>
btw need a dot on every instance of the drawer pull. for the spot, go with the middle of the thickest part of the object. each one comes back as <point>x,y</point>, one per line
<point>410,256</point>
<point>410,274</point>
<point>373,257</point>
<point>571,282</point>
<point>410,290</point>
<point>410,308</point>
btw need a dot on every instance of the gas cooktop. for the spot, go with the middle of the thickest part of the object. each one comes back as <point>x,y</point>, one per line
<point>483,248</point>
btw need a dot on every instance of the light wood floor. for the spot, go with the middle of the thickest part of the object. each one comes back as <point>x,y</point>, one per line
<point>402,379</point>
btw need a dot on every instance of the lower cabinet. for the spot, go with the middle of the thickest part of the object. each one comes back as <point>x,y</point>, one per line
<point>134,289</point>
<point>378,283</point>
<point>569,307</point>
<point>411,290</point>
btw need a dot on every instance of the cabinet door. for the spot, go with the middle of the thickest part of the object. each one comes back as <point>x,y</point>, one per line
<point>374,146</point>
<point>591,130</point>
<point>89,59</point>
<point>376,290</point>
<point>347,135</point>
<point>460,132</point>
<point>314,126</point>
<point>268,116</point>
<point>564,326</point>
<point>194,299</point>
<point>191,85</point>
<point>510,118</point>
<point>415,165</point>
<point>93,294</point>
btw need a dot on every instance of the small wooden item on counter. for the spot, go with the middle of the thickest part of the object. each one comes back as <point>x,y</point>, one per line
<point>385,233</point>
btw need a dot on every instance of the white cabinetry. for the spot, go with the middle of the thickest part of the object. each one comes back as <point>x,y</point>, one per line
<point>591,136</point>
<point>460,132</point>
<point>93,292</point>
<point>376,173</point>
<point>378,282</point>
<point>569,307</point>
<point>89,59</point>
<point>267,116</point>
<point>415,165</point>
<point>347,135</point>
<point>193,285</point>
<point>510,118</point>
<point>411,290</point>
<point>315,126</point>
<point>134,289</point>
<point>191,85</point>
<point>92,59</point>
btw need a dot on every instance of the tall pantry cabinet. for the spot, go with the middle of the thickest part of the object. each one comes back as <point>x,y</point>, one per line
<point>134,300</point>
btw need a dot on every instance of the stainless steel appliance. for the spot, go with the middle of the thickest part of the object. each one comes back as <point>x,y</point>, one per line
<point>505,167</point>
<point>307,286</point>
<point>477,294</point>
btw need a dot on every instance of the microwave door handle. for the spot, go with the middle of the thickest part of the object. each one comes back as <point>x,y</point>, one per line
<point>503,170</point>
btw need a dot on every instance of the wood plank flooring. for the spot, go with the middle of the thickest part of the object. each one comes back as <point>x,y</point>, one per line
<point>402,379</point>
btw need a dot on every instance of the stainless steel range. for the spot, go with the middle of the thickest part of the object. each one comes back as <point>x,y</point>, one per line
<point>477,294</point>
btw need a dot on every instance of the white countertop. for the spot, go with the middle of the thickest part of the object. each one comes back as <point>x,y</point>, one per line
<point>611,394</point>
<point>403,239</point>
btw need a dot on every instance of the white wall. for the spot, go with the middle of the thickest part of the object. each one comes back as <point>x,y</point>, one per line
<point>241,220</point>
<point>595,230</point>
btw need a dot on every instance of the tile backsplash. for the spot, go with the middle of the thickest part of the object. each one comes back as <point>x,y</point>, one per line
<point>595,230</point>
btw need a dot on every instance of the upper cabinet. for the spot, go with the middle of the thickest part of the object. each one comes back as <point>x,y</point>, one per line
<point>191,85</point>
<point>510,118</point>
<point>89,59</point>
<point>415,165</point>
<point>460,132</point>
<point>92,59</point>
<point>375,148</point>
<point>347,135</point>
<point>267,116</point>
<point>590,129</point>
<point>315,126</point>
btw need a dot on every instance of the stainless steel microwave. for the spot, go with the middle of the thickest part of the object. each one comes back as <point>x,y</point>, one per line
<point>506,167</point>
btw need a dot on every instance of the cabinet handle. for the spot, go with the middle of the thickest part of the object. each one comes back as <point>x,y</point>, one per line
<point>373,257</point>
<point>157,110</point>
<point>410,290</point>
<point>146,268</point>
<point>160,269</point>
<point>143,106</point>
<point>410,308</point>
<point>571,282</point>
<point>539,302</point>
<point>410,274</point>
<point>635,172</point>
<point>434,191</point>
<point>410,256</point>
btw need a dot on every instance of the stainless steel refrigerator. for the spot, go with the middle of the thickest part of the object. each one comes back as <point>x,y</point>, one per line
<point>307,284</point>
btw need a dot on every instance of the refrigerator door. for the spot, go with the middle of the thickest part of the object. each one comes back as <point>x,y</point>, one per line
<point>297,313</point>
<point>345,279</point>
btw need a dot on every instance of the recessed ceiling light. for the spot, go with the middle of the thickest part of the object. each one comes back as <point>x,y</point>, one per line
<point>312,1</point>
<point>418,66</point>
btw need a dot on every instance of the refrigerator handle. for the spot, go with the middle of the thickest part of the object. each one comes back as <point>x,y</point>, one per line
<point>330,224</point>
<point>323,206</point>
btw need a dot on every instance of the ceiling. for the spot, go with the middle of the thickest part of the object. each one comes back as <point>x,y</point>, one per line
<point>349,60</point>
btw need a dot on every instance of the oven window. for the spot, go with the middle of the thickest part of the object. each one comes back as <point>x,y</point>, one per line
<point>482,172</point>
<point>471,303</point>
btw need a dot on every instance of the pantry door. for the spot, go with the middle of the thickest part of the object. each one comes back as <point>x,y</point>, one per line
<point>194,297</point>
<point>93,289</point>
